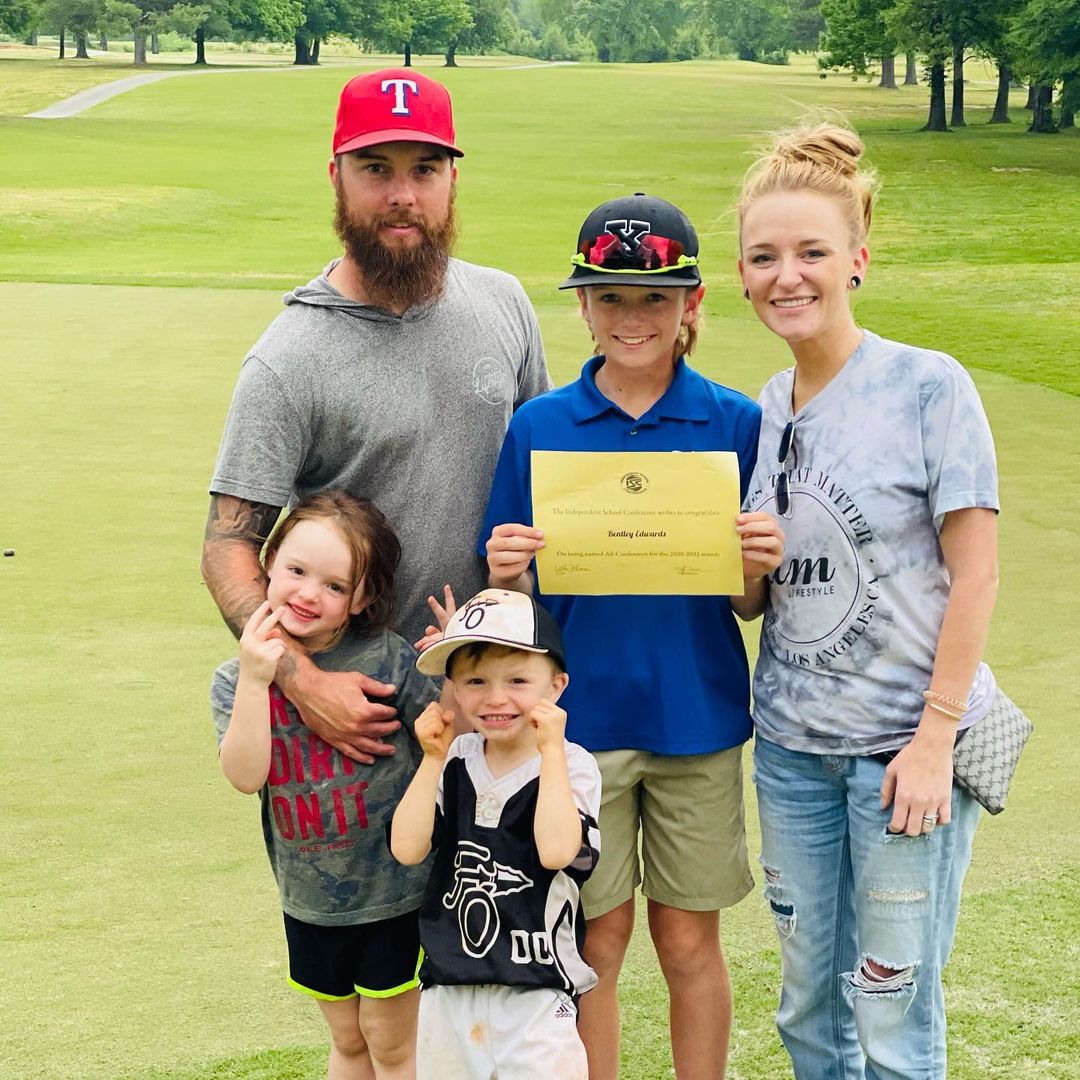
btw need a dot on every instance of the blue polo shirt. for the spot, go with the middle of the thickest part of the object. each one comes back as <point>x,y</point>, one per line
<point>667,674</point>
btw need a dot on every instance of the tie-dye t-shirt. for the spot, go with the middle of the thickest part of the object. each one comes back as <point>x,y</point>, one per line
<point>896,440</point>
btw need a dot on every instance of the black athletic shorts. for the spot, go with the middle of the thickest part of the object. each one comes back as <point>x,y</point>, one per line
<point>375,960</point>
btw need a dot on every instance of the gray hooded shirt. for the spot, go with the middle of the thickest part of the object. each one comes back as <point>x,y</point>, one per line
<point>408,411</point>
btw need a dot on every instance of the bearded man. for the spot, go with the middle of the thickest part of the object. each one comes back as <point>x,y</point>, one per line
<point>393,375</point>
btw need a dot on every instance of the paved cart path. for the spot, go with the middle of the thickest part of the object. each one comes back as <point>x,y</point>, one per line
<point>87,99</point>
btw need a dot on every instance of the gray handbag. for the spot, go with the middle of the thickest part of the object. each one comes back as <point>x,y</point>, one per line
<point>985,757</point>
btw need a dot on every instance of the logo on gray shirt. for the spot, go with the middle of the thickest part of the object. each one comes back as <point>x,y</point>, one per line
<point>492,381</point>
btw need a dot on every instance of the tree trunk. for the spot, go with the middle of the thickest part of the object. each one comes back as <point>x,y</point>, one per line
<point>103,43</point>
<point>155,48</point>
<point>451,54</point>
<point>140,48</point>
<point>315,50</point>
<point>957,119</point>
<point>408,54</point>
<point>80,46</point>
<point>888,73</point>
<point>303,52</point>
<point>1000,114</point>
<point>1042,116</point>
<point>936,120</point>
<point>62,54</point>
<point>31,38</point>
<point>1033,93</point>
<point>1066,98</point>
<point>911,74</point>
<point>200,45</point>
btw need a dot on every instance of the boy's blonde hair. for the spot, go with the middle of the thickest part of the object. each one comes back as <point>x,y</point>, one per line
<point>688,335</point>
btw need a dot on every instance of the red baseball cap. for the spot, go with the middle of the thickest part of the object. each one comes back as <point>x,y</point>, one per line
<point>394,105</point>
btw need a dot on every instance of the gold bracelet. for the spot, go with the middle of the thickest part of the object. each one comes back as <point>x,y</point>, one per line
<point>941,709</point>
<point>930,696</point>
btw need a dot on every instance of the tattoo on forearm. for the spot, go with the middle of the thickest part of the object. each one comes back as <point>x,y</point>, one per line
<point>237,601</point>
<point>235,532</point>
<point>286,667</point>
<point>231,518</point>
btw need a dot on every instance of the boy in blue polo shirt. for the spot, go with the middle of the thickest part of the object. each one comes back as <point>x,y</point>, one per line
<point>660,688</point>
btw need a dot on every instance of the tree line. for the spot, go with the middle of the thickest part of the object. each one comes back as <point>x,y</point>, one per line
<point>1033,41</point>
<point>609,31</point>
<point>406,26</point>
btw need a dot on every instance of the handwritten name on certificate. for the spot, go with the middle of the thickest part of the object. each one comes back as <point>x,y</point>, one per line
<point>637,523</point>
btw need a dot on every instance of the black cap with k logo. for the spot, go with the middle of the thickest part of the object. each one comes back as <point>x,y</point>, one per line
<point>636,240</point>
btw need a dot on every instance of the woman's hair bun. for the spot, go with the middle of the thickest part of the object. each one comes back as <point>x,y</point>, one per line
<point>827,146</point>
<point>821,156</point>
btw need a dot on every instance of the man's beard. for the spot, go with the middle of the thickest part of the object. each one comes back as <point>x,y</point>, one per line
<point>397,278</point>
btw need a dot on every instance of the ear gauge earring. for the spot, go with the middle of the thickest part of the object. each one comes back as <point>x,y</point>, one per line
<point>856,281</point>
<point>746,294</point>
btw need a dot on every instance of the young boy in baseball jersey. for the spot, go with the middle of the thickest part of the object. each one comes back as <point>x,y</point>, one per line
<point>510,808</point>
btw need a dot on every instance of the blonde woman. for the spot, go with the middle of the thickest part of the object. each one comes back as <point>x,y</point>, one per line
<point>877,458</point>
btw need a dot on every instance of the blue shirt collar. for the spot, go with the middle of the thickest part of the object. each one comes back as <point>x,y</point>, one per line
<point>685,399</point>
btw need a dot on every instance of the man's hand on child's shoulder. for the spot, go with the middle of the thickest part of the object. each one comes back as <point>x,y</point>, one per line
<point>550,724</point>
<point>435,730</point>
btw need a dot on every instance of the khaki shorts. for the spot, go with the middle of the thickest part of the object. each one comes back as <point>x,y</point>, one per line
<point>693,831</point>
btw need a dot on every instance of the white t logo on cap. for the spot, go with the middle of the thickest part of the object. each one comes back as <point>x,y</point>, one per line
<point>400,108</point>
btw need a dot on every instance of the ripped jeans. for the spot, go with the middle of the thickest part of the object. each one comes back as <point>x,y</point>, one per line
<point>843,894</point>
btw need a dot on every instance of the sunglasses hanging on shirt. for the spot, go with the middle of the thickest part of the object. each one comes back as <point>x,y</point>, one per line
<point>783,484</point>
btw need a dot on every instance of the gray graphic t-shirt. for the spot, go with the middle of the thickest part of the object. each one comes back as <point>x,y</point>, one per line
<point>324,817</point>
<point>896,441</point>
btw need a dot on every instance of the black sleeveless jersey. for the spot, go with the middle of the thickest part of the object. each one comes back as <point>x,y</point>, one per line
<point>492,913</point>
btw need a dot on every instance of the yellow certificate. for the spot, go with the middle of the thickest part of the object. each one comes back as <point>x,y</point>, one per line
<point>637,523</point>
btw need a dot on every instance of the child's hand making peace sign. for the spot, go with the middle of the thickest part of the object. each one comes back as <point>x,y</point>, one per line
<point>261,646</point>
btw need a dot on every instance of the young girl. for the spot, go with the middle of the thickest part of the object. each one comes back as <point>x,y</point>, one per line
<point>879,458</point>
<point>660,688</point>
<point>350,909</point>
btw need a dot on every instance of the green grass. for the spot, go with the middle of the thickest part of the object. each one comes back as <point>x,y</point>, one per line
<point>170,185</point>
<point>143,247</point>
<point>32,77</point>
